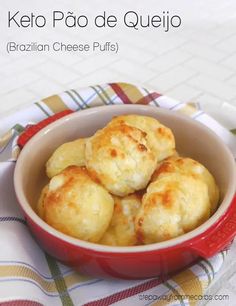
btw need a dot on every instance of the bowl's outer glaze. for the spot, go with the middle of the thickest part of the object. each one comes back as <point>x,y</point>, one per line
<point>156,263</point>
<point>193,140</point>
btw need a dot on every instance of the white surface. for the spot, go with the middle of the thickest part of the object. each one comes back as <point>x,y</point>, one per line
<point>196,63</point>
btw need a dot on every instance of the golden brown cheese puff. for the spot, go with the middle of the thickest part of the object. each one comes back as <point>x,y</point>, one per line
<point>172,206</point>
<point>68,154</point>
<point>120,159</point>
<point>121,229</point>
<point>40,206</point>
<point>192,168</point>
<point>159,137</point>
<point>76,205</point>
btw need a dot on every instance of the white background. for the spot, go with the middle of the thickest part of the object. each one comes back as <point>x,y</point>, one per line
<point>194,63</point>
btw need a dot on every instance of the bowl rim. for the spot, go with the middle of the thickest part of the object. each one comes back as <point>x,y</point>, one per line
<point>28,210</point>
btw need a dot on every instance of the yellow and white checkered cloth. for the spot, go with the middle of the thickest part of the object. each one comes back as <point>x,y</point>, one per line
<point>29,275</point>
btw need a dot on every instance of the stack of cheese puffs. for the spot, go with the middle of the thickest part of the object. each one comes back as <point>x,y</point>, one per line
<point>126,185</point>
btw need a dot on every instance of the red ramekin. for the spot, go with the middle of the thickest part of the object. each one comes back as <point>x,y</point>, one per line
<point>155,260</point>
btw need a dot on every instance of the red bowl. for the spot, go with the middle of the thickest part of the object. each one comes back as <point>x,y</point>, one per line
<point>154,260</point>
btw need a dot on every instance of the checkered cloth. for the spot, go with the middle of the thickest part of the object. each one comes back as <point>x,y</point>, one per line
<point>29,275</point>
